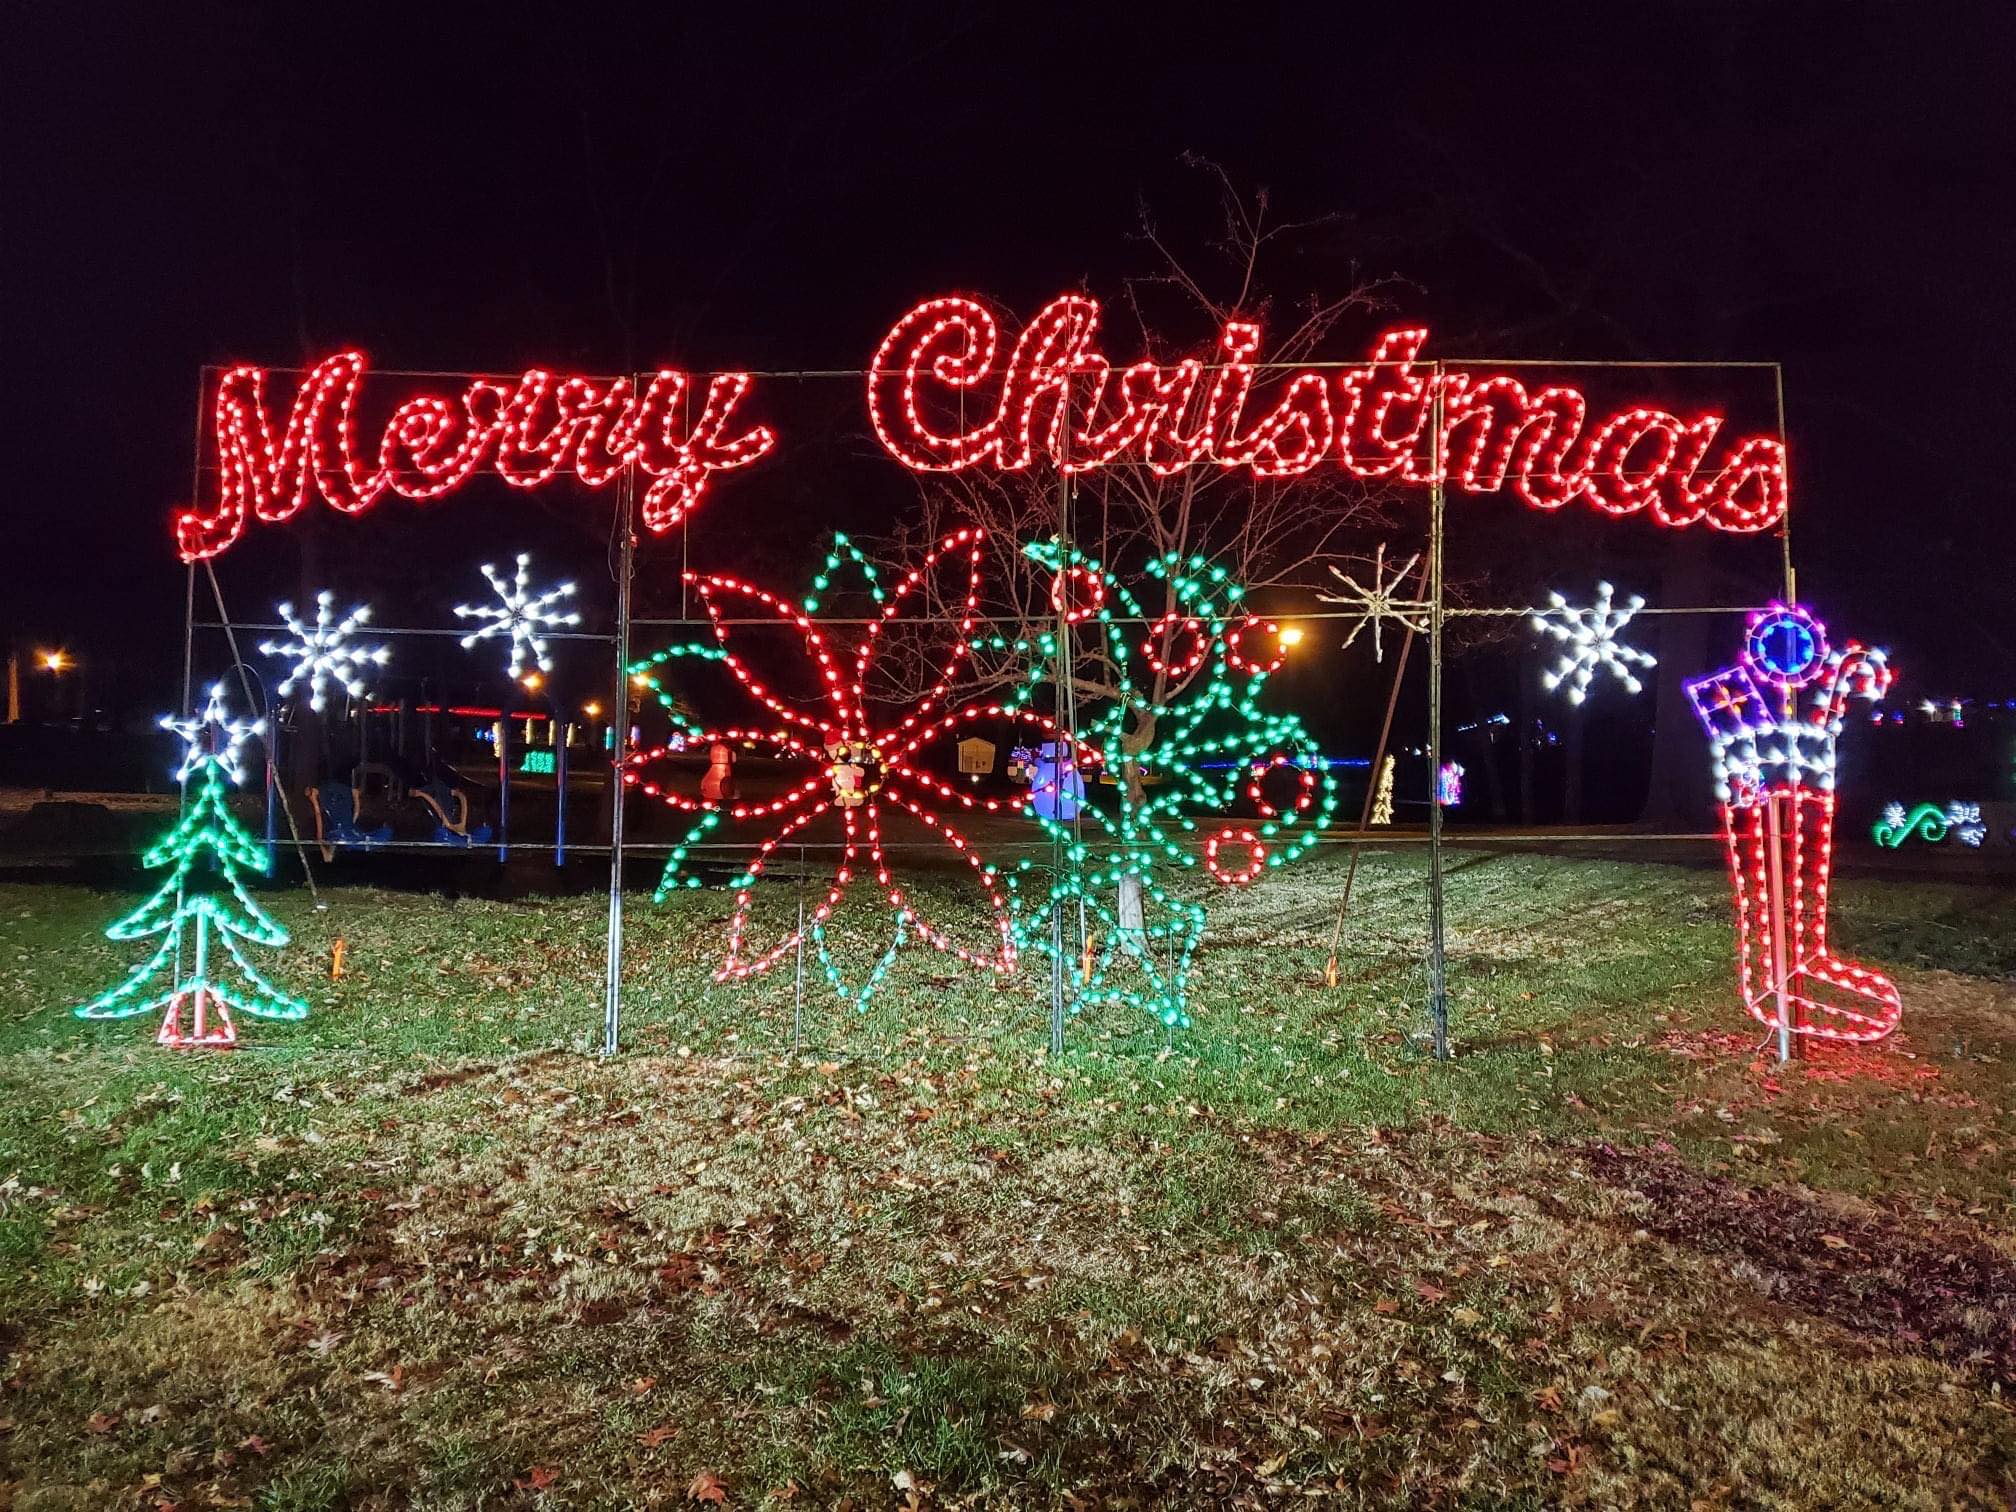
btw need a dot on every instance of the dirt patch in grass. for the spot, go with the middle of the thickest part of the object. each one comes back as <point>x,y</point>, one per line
<point>1923,1287</point>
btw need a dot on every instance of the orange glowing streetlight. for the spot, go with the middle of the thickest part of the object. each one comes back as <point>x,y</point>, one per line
<point>55,661</point>
<point>1290,637</point>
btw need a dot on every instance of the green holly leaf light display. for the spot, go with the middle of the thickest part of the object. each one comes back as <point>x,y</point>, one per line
<point>1182,761</point>
<point>1213,751</point>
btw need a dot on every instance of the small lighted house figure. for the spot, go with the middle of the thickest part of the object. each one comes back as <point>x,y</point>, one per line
<point>976,756</point>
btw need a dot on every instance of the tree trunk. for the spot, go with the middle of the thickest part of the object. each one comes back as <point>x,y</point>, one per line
<point>1132,919</point>
<point>1494,780</point>
<point>1128,907</point>
<point>1528,734</point>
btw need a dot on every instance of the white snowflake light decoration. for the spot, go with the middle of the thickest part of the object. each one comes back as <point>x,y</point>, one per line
<point>1381,601</point>
<point>1590,638</point>
<point>519,613</point>
<point>1965,819</point>
<point>211,738</point>
<point>322,652</point>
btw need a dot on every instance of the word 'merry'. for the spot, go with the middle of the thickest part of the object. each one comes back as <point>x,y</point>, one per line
<point>527,431</point>
<point>941,400</point>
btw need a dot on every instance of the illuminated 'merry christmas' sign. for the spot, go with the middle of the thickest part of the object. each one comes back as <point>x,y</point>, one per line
<point>527,431</point>
<point>943,398</point>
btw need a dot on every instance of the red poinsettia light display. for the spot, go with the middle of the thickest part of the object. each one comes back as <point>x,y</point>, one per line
<point>853,765</point>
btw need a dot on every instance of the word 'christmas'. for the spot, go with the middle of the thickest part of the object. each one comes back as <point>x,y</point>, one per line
<point>942,401</point>
<point>527,431</point>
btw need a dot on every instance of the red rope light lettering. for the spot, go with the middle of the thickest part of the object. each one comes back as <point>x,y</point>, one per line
<point>941,400</point>
<point>529,432</point>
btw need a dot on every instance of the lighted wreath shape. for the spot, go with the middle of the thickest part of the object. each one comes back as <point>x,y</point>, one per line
<point>1213,746</point>
<point>853,767</point>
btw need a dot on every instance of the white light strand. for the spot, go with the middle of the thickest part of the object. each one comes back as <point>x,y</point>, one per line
<point>322,652</point>
<point>1965,819</point>
<point>519,613</point>
<point>200,746</point>
<point>1590,638</point>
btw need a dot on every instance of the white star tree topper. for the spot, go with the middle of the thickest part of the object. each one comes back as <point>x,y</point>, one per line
<point>1381,601</point>
<point>1589,638</point>
<point>322,653</point>
<point>209,739</point>
<point>519,613</point>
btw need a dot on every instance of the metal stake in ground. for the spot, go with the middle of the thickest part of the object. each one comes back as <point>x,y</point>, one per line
<point>1438,993</point>
<point>619,740</point>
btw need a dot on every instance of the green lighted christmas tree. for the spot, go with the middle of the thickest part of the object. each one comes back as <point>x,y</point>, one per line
<point>195,925</point>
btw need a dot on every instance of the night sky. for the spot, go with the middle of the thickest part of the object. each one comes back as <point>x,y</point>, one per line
<point>727,186</point>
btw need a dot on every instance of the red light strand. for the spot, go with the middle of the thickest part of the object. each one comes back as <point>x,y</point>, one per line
<point>941,402</point>
<point>529,432</point>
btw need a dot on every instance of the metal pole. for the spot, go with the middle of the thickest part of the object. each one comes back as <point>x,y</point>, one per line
<point>1785,520</point>
<point>619,740</point>
<point>188,640</point>
<point>1438,995</point>
<point>566,734</point>
<point>1057,976</point>
<point>503,744</point>
<point>798,986</point>
<point>272,714</point>
<point>1066,746</point>
<point>1372,785</point>
<point>272,781</point>
<point>1781,968</point>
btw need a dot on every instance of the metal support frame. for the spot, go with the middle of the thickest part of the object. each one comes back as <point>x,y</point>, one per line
<point>1438,986</point>
<point>500,736</point>
<point>563,737</point>
<point>1067,749</point>
<point>619,741</point>
<point>1781,964</point>
<point>1439,613</point>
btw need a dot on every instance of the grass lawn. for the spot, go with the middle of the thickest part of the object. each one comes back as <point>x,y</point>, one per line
<point>426,1249</point>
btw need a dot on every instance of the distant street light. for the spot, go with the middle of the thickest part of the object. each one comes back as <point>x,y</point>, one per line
<point>1291,635</point>
<point>54,661</point>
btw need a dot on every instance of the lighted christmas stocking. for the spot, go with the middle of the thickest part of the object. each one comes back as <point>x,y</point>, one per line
<point>1828,997</point>
<point>1774,772</point>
